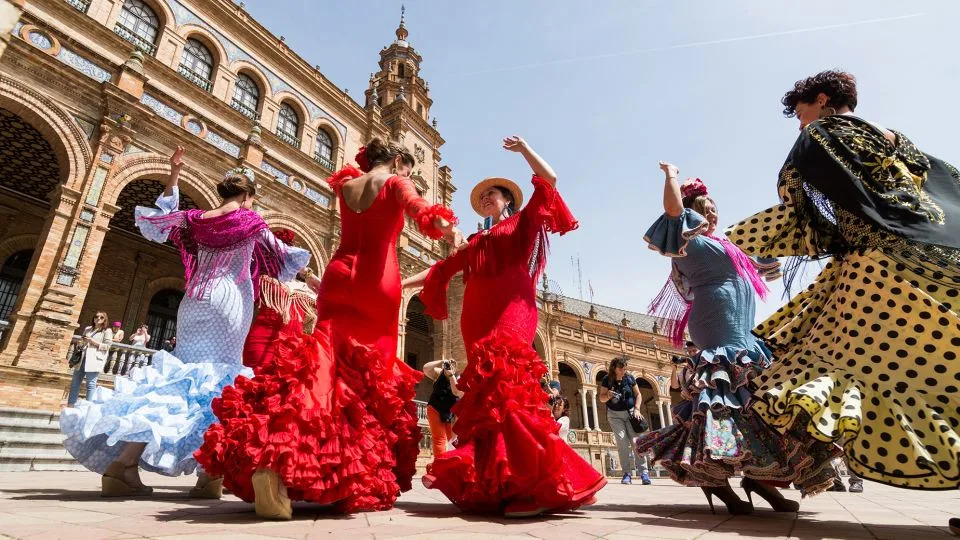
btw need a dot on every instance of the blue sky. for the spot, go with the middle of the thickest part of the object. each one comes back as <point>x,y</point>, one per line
<point>603,90</point>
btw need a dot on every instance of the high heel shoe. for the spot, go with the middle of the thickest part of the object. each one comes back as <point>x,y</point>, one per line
<point>735,505</point>
<point>270,496</point>
<point>769,494</point>
<point>207,487</point>
<point>119,481</point>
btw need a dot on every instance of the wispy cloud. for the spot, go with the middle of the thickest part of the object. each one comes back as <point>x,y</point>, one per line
<point>690,45</point>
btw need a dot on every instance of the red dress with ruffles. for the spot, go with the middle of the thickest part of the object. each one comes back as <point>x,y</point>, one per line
<point>333,413</point>
<point>508,453</point>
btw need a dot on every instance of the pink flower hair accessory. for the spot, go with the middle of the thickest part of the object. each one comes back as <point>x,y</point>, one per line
<point>693,188</point>
<point>361,159</point>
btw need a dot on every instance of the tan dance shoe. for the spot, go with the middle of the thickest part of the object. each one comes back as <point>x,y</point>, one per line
<point>271,501</point>
<point>121,480</point>
<point>207,487</point>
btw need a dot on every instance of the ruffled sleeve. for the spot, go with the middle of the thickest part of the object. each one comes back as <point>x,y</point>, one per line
<point>155,224</point>
<point>348,172</point>
<point>289,260</point>
<point>422,212</point>
<point>434,293</point>
<point>671,235</point>
<point>548,208</point>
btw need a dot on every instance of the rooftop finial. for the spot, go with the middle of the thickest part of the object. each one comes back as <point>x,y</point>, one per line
<point>402,30</point>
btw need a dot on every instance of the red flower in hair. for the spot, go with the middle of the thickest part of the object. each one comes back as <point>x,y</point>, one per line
<point>286,236</point>
<point>693,188</point>
<point>362,160</point>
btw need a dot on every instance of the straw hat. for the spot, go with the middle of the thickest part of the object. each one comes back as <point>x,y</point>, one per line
<point>487,183</point>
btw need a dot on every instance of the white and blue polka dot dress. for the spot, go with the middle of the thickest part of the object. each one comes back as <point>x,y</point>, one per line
<point>167,404</point>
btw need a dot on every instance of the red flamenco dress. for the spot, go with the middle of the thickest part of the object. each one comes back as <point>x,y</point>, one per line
<point>332,414</point>
<point>509,457</point>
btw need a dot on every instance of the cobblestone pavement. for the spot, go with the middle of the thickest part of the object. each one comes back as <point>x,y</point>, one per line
<point>68,505</point>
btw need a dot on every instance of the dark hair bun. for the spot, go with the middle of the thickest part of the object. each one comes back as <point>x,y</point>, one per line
<point>379,152</point>
<point>236,185</point>
<point>839,86</point>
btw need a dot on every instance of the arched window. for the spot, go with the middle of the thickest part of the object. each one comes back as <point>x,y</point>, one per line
<point>324,153</point>
<point>288,125</point>
<point>162,317</point>
<point>139,25</point>
<point>246,96</point>
<point>197,64</point>
<point>12,272</point>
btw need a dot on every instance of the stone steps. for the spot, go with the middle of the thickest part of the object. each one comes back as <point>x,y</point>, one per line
<point>30,440</point>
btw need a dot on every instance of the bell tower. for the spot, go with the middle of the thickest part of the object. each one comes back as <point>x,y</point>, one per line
<point>399,77</point>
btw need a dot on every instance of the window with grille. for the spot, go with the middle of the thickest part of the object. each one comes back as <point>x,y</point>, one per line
<point>324,149</point>
<point>12,273</point>
<point>288,124</point>
<point>140,22</point>
<point>246,96</point>
<point>197,60</point>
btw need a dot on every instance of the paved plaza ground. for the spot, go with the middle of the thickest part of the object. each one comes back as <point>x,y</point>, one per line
<point>67,505</point>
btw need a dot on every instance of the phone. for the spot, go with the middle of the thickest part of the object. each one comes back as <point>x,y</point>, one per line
<point>446,365</point>
<point>487,223</point>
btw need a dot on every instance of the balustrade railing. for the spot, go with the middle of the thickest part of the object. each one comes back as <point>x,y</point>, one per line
<point>80,5</point>
<point>195,78</point>
<point>324,162</point>
<point>134,39</point>
<point>120,358</point>
<point>289,139</point>
<point>593,438</point>
<point>244,109</point>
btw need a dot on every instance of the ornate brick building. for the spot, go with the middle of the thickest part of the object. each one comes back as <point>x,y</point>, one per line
<point>95,94</point>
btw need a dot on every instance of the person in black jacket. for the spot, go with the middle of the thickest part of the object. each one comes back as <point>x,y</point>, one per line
<point>445,394</point>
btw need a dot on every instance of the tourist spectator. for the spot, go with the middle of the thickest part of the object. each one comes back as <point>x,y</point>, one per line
<point>554,388</point>
<point>444,396</point>
<point>620,392</point>
<point>118,333</point>
<point>140,337</point>
<point>561,413</point>
<point>95,345</point>
<point>170,344</point>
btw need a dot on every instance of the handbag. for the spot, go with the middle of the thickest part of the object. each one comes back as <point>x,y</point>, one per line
<point>76,357</point>
<point>639,424</point>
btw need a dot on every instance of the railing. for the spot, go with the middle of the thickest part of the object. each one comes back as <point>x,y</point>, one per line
<point>4,327</point>
<point>120,358</point>
<point>244,109</point>
<point>593,438</point>
<point>325,162</point>
<point>195,78</point>
<point>80,5</point>
<point>134,39</point>
<point>289,139</point>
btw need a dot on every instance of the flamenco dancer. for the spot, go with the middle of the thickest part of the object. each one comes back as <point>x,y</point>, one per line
<point>712,290</point>
<point>155,419</point>
<point>282,309</point>
<point>868,352</point>
<point>509,458</point>
<point>331,418</point>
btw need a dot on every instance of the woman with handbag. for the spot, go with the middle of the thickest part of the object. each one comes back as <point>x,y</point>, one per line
<point>90,356</point>
<point>619,390</point>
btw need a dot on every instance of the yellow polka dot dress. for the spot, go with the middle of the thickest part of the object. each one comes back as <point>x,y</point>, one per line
<point>867,354</point>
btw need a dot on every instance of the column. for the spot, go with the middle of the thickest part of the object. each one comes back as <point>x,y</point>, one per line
<point>669,410</point>
<point>583,408</point>
<point>663,422</point>
<point>596,415</point>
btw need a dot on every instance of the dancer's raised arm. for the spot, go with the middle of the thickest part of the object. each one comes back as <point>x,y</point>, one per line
<point>176,163</point>
<point>540,167</point>
<point>672,199</point>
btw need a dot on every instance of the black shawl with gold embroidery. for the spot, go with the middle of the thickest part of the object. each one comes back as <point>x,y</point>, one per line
<point>896,187</point>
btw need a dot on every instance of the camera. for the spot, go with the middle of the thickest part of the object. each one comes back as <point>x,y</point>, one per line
<point>615,397</point>
<point>447,366</point>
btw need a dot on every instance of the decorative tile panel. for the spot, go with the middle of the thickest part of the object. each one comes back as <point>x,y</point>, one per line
<point>40,39</point>
<point>106,158</point>
<point>72,258</point>
<point>195,127</point>
<point>223,144</point>
<point>275,172</point>
<point>93,196</point>
<point>86,215</point>
<point>83,65</point>
<point>87,126</point>
<point>317,197</point>
<point>162,109</point>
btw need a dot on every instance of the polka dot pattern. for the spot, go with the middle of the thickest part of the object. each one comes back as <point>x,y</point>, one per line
<point>867,354</point>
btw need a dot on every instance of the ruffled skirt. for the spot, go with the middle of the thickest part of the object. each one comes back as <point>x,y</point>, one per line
<point>867,357</point>
<point>508,450</point>
<point>716,434</point>
<point>336,423</point>
<point>165,405</point>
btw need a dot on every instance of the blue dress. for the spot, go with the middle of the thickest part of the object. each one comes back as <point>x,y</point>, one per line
<point>716,435</point>
<point>167,404</point>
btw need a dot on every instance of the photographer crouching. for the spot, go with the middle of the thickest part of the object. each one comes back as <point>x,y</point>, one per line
<point>445,394</point>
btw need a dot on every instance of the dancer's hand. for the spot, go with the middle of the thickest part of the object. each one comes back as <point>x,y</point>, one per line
<point>176,159</point>
<point>454,238</point>
<point>514,143</point>
<point>669,169</point>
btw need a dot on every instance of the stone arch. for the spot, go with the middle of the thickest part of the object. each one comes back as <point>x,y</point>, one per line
<point>320,258</point>
<point>68,141</point>
<point>192,31</point>
<point>168,21</point>
<point>20,242</point>
<point>153,287</point>
<point>154,165</point>
<point>651,381</point>
<point>576,367</point>
<point>331,130</point>
<point>254,72</point>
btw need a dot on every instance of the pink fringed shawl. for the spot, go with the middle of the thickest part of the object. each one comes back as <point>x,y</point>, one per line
<point>221,236</point>
<point>674,302</point>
